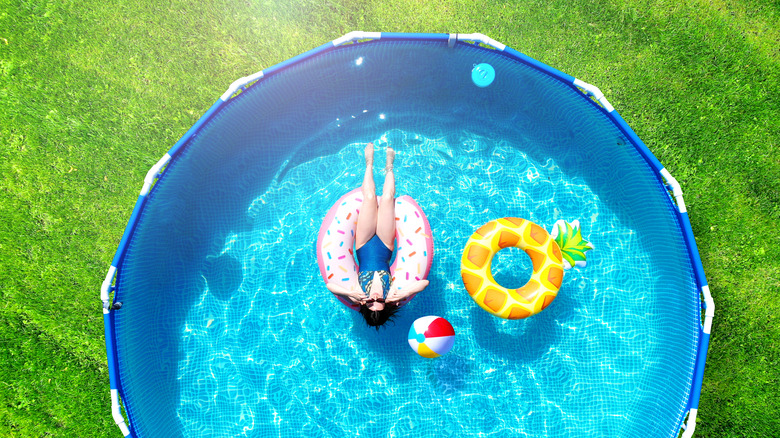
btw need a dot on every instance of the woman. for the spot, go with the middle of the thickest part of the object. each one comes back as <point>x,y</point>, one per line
<point>374,244</point>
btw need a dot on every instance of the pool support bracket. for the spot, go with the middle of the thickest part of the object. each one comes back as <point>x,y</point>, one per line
<point>356,36</point>
<point>240,83</point>
<point>676,190</point>
<point>480,38</point>
<point>595,93</point>
<point>709,309</point>
<point>154,173</point>
<point>107,288</point>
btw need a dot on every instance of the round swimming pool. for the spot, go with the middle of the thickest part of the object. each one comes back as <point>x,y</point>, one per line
<point>226,328</point>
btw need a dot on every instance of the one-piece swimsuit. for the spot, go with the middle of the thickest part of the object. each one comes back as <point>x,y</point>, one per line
<point>374,257</point>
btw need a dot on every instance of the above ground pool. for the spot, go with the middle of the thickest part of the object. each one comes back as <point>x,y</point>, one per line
<point>225,326</point>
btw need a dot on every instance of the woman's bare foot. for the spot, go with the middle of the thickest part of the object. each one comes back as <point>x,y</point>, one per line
<point>390,159</point>
<point>369,153</point>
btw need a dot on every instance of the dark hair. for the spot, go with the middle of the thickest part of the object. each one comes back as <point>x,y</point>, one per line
<point>377,318</point>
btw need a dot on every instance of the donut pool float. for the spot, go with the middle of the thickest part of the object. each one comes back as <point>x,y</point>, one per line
<point>549,262</point>
<point>336,242</point>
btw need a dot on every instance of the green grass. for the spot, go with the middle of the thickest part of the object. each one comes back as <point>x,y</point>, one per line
<point>93,94</point>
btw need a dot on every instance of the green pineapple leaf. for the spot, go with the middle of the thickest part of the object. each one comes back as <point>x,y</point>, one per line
<point>568,236</point>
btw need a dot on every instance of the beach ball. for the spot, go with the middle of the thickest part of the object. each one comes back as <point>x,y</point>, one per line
<point>431,336</point>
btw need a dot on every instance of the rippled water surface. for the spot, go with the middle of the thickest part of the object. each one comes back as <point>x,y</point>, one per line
<point>266,340</point>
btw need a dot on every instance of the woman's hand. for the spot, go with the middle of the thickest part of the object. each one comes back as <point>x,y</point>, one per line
<point>398,295</point>
<point>354,294</point>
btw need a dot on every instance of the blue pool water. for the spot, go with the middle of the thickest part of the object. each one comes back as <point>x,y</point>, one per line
<point>228,330</point>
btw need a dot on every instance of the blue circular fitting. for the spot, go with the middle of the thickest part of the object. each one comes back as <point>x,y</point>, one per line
<point>483,75</point>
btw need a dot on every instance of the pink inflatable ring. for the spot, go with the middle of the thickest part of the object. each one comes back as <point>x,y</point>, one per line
<point>336,242</point>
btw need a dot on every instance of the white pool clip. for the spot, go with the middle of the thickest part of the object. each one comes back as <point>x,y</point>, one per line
<point>357,36</point>
<point>595,93</point>
<point>479,38</point>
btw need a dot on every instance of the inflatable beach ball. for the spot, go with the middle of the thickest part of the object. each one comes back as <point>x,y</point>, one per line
<point>431,336</point>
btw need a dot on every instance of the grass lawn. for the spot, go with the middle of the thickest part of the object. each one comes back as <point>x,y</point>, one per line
<point>92,94</point>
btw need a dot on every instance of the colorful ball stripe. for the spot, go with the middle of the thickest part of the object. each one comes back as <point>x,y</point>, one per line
<point>431,336</point>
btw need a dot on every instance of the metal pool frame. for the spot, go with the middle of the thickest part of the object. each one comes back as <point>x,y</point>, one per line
<point>596,97</point>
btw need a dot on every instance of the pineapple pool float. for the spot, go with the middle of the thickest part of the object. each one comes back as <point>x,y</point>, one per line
<point>550,253</point>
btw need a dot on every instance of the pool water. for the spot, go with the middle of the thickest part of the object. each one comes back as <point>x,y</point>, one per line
<point>228,330</point>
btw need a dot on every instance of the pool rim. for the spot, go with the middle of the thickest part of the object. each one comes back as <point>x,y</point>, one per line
<point>596,98</point>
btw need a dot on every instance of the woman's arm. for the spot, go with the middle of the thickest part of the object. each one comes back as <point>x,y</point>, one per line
<point>398,295</point>
<point>355,295</point>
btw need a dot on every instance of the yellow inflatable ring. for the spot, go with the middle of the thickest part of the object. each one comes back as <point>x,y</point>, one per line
<point>545,255</point>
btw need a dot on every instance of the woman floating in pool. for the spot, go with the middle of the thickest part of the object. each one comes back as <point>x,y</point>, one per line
<point>375,237</point>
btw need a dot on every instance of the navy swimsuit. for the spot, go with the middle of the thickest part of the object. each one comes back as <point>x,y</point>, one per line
<point>373,257</point>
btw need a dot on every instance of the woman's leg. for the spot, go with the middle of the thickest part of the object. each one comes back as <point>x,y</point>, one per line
<point>385,225</point>
<point>366,221</point>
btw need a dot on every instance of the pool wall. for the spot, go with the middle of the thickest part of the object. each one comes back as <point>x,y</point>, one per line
<point>597,99</point>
